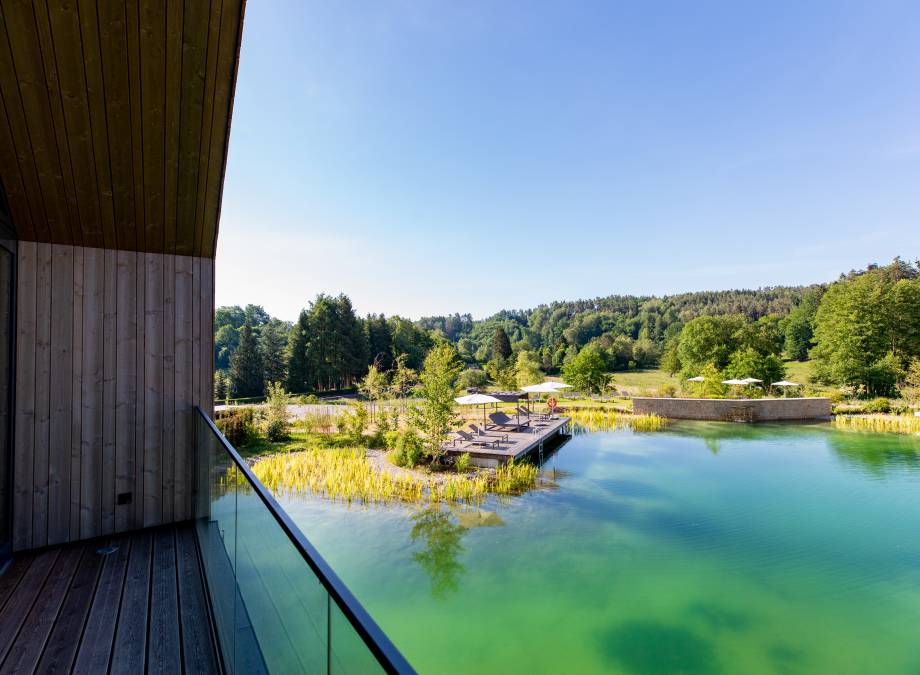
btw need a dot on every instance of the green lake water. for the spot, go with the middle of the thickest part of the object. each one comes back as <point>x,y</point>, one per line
<point>709,548</point>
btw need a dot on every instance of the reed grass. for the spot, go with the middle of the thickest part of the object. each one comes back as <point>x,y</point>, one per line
<point>899,424</point>
<point>599,419</point>
<point>347,476</point>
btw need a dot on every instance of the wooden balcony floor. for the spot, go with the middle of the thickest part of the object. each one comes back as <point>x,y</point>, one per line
<point>140,608</point>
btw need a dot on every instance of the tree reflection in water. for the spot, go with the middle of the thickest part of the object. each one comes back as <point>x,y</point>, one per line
<point>442,540</point>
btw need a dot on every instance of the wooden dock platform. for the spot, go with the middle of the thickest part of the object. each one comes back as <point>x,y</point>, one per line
<point>519,444</point>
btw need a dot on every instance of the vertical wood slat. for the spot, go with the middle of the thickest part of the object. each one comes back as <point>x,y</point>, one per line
<point>91,455</point>
<point>42,397</point>
<point>76,395</point>
<point>141,394</point>
<point>25,394</point>
<point>114,351</point>
<point>167,441</point>
<point>61,393</point>
<point>126,390</point>
<point>184,400</point>
<point>206,354</point>
<point>153,390</point>
<point>109,388</point>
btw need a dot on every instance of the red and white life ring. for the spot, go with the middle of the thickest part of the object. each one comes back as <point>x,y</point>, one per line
<point>551,403</point>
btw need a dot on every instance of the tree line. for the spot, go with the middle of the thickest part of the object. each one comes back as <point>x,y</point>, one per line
<point>863,331</point>
<point>328,348</point>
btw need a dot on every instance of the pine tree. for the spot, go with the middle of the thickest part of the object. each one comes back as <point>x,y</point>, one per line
<point>273,343</point>
<point>299,369</point>
<point>501,345</point>
<point>246,377</point>
<point>379,341</point>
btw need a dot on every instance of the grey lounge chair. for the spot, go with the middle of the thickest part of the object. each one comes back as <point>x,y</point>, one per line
<point>472,440</point>
<point>481,432</point>
<point>505,423</point>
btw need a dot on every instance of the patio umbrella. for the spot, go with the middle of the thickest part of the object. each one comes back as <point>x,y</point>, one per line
<point>478,399</point>
<point>784,384</point>
<point>542,388</point>
<point>752,380</point>
<point>736,383</point>
<point>698,378</point>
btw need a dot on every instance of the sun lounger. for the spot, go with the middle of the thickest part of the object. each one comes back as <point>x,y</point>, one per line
<point>473,440</point>
<point>505,423</point>
<point>540,416</point>
<point>479,432</point>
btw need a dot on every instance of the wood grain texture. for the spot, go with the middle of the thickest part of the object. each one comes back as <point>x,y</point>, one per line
<point>115,120</point>
<point>25,419</point>
<point>137,608</point>
<point>114,351</point>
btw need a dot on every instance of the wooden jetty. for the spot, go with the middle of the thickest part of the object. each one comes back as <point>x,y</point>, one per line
<point>531,439</point>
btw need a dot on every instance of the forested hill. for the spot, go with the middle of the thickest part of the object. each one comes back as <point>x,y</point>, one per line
<point>863,331</point>
<point>625,320</point>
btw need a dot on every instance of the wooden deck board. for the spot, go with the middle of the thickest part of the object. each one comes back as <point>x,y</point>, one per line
<point>518,445</point>
<point>76,609</point>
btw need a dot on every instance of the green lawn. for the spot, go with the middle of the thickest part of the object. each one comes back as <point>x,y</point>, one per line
<point>643,381</point>
<point>799,371</point>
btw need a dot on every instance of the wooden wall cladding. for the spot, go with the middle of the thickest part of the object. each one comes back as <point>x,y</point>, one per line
<point>115,119</point>
<point>114,351</point>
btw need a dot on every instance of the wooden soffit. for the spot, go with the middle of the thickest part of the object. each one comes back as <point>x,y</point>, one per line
<point>115,120</point>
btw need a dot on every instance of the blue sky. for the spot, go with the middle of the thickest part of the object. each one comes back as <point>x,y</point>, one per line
<point>428,157</point>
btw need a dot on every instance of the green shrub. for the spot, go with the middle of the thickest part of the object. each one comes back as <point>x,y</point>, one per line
<point>473,378</point>
<point>408,450</point>
<point>238,426</point>
<point>278,426</point>
<point>462,463</point>
<point>353,422</point>
<point>390,439</point>
<point>667,391</point>
<point>878,405</point>
<point>835,396</point>
<point>277,430</point>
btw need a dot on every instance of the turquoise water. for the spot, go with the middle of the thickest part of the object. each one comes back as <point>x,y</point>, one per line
<point>710,548</point>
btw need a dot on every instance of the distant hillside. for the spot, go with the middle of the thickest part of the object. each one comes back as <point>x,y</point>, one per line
<point>636,326</point>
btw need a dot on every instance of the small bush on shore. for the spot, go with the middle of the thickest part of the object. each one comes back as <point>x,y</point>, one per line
<point>238,426</point>
<point>462,463</point>
<point>408,449</point>
<point>878,405</point>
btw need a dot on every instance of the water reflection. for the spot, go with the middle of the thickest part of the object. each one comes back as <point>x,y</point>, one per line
<point>876,455</point>
<point>442,541</point>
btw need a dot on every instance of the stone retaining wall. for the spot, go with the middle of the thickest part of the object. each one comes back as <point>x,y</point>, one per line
<point>735,410</point>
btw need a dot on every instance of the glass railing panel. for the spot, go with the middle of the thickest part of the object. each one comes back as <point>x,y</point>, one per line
<point>282,596</point>
<point>216,497</point>
<point>277,606</point>
<point>350,655</point>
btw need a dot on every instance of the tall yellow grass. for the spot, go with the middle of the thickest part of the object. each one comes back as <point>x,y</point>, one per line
<point>600,419</point>
<point>899,424</point>
<point>347,475</point>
